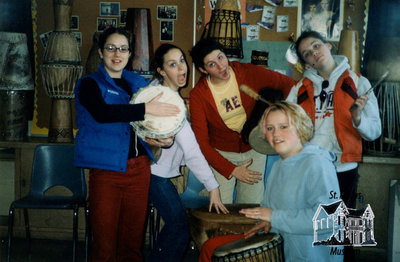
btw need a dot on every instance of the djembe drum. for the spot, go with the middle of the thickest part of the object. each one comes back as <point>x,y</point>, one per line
<point>258,248</point>
<point>16,86</point>
<point>158,126</point>
<point>60,70</point>
<point>205,225</point>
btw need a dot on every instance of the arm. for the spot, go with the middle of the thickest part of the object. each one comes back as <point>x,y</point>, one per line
<point>200,124</point>
<point>196,162</point>
<point>91,98</point>
<point>366,117</point>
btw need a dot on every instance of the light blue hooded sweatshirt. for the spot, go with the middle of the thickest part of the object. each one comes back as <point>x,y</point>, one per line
<point>295,188</point>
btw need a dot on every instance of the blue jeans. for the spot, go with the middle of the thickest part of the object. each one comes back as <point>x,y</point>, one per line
<point>174,236</point>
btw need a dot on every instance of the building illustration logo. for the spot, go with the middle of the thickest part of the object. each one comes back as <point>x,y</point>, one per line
<point>337,225</point>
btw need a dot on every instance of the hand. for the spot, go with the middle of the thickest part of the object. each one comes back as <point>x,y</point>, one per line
<point>259,213</point>
<point>154,107</point>
<point>215,201</point>
<point>160,142</point>
<point>359,104</point>
<point>245,175</point>
<point>261,226</point>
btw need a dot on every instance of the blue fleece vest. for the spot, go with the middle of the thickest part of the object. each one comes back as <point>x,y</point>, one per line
<point>105,145</point>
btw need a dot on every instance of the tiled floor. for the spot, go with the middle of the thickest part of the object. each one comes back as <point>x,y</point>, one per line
<point>55,251</point>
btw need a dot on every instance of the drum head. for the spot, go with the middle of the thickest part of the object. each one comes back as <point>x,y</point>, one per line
<point>157,126</point>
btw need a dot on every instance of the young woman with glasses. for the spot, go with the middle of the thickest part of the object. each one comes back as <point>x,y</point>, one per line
<point>118,160</point>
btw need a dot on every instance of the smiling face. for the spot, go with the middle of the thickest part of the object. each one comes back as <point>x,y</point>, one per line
<point>174,69</point>
<point>316,53</point>
<point>217,66</point>
<point>281,134</point>
<point>115,60</point>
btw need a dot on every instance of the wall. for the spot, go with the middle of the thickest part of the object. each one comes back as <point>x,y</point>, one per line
<point>88,11</point>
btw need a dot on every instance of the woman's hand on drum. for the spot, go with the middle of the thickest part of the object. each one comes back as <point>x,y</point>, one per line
<point>160,142</point>
<point>154,107</point>
<point>245,175</point>
<point>261,226</point>
<point>215,201</point>
<point>259,213</point>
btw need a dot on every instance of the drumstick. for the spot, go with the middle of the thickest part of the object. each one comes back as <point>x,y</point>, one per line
<point>383,77</point>
<point>250,92</point>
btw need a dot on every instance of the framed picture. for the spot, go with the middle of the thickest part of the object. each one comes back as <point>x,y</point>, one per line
<point>109,8</point>
<point>74,22</point>
<point>167,31</point>
<point>78,36</point>
<point>103,23</point>
<point>122,17</point>
<point>167,12</point>
<point>323,16</point>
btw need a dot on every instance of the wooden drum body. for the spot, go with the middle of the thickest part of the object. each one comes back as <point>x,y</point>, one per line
<point>260,247</point>
<point>205,225</point>
<point>60,70</point>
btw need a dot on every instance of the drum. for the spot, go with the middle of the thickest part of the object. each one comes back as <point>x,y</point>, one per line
<point>205,225</point>
<point>260,247</point>
<point>157,126</point>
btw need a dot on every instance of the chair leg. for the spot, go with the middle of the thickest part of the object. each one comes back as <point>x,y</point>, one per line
<point>151,228</point>
<point>10,232</point>
<point>75,234</point>
<point>27,229</point>
<point>87,233</point>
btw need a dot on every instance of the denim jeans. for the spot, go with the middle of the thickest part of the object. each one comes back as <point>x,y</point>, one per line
<point>174,236</point>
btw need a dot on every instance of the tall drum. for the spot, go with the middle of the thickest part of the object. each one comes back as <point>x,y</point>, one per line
<point>60,70</point>
<point>16,86</point>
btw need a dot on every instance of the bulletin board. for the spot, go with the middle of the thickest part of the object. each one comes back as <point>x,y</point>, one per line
<point>87,19</point>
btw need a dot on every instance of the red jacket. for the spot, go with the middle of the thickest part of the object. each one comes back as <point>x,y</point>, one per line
<point>348,137</point>
<point>208,126</point>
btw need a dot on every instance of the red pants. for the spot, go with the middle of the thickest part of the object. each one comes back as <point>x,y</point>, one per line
<point>210,245</point>
<point>118,205</point>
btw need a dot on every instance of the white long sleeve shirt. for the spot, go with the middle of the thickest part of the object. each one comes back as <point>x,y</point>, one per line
<point>185,151</point>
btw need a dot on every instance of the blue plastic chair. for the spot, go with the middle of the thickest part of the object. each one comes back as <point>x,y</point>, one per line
<point>53,165</point>
<point>190,197</point>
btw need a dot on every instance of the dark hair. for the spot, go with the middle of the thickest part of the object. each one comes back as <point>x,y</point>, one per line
<point>202,49</point>
<point>304,35</point>
<point>158,60</point>
<point>114,30</point>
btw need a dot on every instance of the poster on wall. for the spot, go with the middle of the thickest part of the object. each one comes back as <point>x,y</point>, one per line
<point>167,12</point>
<point>109,8</point>
<point>325,17</point>
<point>167,31</point>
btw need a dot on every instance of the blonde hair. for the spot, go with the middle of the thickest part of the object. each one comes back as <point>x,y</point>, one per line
<point>297,117</point>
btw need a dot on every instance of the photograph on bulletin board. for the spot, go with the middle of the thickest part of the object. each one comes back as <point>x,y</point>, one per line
<point>167,31</point>
<point>323,16</point>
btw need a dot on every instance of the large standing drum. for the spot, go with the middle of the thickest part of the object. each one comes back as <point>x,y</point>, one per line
<point>258,248</point>
<point>157,126</point>
<point>205,225</point>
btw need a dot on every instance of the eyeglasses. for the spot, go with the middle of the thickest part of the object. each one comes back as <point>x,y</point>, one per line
<point>323,94</point>
<point>113,48</point>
